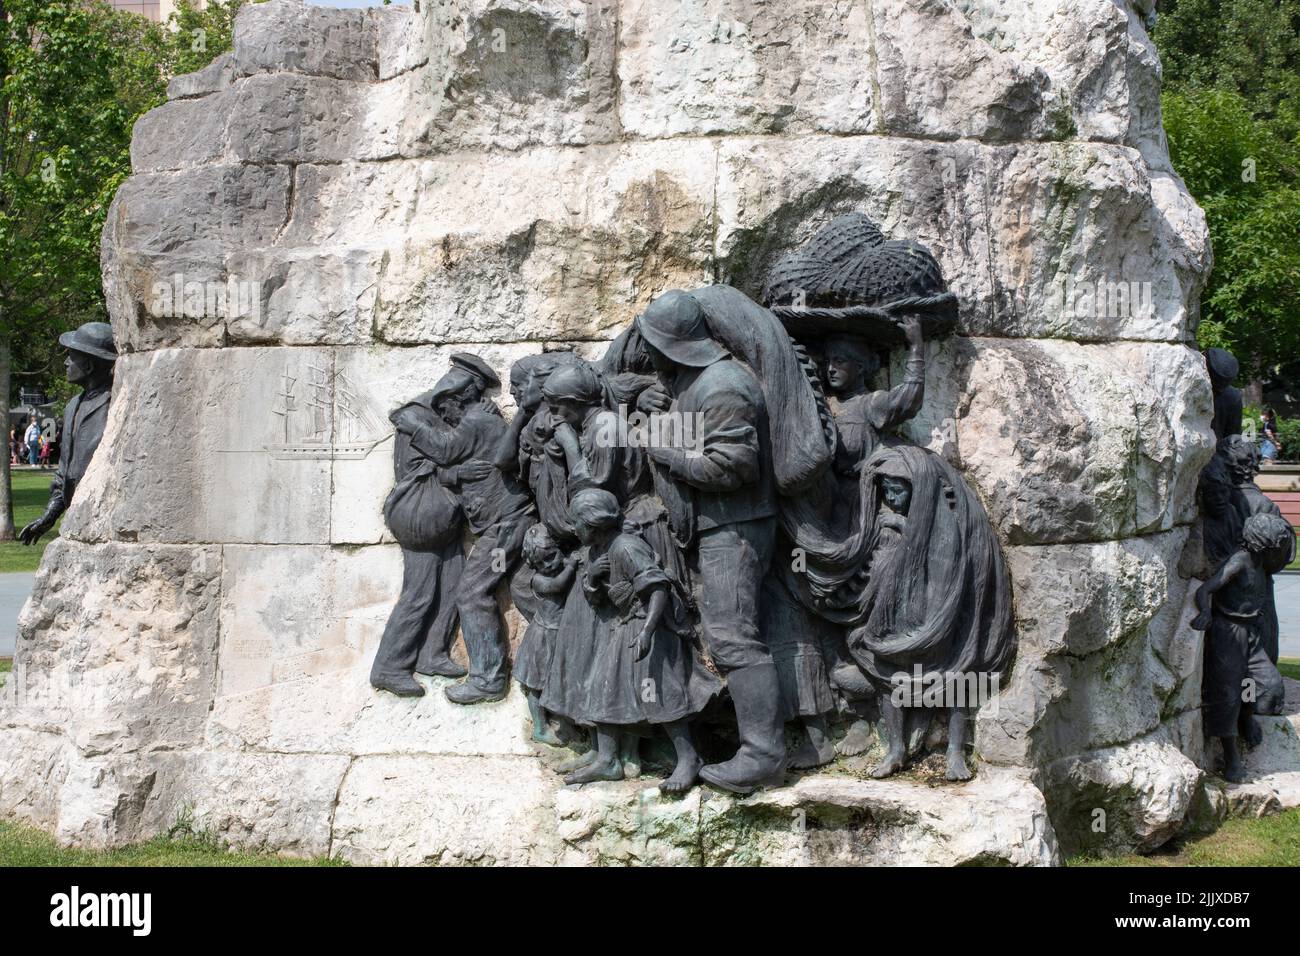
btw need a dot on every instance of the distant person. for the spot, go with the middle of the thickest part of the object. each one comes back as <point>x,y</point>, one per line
<point>14,445</point>
<point>1270,445</point>
<point>32,438</point>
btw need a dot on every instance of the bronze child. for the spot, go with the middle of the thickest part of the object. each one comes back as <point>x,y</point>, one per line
<point>645,671</point>
<point>552,576</point>
<point>1232,612</point>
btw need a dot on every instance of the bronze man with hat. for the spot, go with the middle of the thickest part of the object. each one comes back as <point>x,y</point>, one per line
<point>463,438</point>
<point>722,507</point>
<point>91,356</point>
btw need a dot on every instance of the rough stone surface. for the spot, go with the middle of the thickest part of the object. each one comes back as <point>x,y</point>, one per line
<point>1129,798</point>
<point>375,189</point>
<point>1273,768</point>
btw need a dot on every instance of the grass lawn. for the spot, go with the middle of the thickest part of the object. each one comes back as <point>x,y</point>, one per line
<point>1289,666</point>
<point>1272,841</point>
<point>31,490</point>
<point>24,846</point>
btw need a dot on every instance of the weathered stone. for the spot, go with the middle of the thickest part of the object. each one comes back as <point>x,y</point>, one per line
<point>181,134</point>
<point>488,258</point>
<point>213,78</point>
<point>1094,662</point>
<point>998,819</point>
<point>1098,56</point>
<point>400,46</point>
<point>249,800</point>
<point>1069,442</point>
<point>1128,798</point>
<point>523,74</point>
<point>288,36</point>
<point>406,810</point>
<point>176,230</point>
<point>294,676</point>
<point>190,454</point>
<point>953,84</point>
<point>290,118</point>
<point>733,66</point>
<point>116,648</point>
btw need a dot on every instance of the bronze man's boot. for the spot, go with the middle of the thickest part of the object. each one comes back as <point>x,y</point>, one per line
<point>760,761</point>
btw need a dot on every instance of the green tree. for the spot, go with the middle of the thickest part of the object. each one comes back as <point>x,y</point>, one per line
<point>72,83</point>
<point>1232,115</point>
<point>76,76</point>
<point>197,37</point>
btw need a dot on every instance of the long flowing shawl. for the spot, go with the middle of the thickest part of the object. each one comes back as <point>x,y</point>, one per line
<point>940,597</point>
<point>801,451</point>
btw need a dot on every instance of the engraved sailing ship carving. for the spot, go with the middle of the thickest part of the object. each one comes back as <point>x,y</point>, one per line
<point>313,427</point>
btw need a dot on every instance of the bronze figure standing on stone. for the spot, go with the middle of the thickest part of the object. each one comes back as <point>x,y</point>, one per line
<point>722,506</point>
<point>90,361</point>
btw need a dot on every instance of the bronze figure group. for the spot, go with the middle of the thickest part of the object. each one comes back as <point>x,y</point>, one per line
<point>718,509</point>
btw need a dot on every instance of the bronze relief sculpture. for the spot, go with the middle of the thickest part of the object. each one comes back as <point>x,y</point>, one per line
<point>718,510</point>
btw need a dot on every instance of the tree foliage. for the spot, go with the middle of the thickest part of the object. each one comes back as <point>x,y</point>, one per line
<point>72,87</point>
<point>76,78</point>
<point>1232,115</point>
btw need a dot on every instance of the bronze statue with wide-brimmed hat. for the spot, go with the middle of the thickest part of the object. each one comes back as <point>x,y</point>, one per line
<point>90,360</point>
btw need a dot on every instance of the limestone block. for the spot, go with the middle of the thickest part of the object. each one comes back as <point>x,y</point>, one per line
<point>1097,661</point>
<point>1057,271</point>
<point>116,648</point>
<point>1098,56</point>
<point>400,39</point>
<point>182,133</point>
<point>248,800</point>
<point>214,77</point>
<point>405,810</point>
<point>953,83</point>
<point>33,768</point>
<point>1124,799</point>
<point>738,66</point>
<point>509,74</point>
<point>1080,599</point>
<point>999,818</point>
<point>282,36</point>
<point>290,118</point>
<point>176,230</point>
<point>294,675</point>
<point>488,258</point>
<point>1069,442</point>
<point>196,449</point>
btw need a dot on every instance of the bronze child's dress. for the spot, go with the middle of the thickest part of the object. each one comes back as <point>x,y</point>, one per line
<point>671,682</point>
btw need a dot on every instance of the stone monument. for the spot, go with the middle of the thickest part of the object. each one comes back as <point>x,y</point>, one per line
<point>318,225</point>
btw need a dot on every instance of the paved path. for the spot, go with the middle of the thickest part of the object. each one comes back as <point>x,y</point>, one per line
<point>14,589</point>
<point>1286,590</point>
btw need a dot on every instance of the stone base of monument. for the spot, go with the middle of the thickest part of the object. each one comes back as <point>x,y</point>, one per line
<point>1273,767</point>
